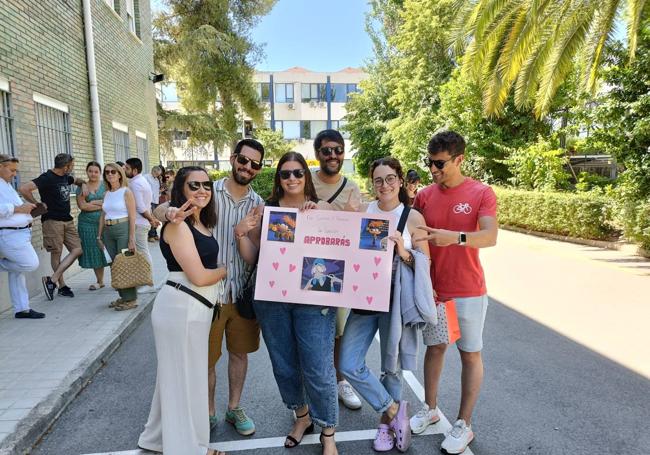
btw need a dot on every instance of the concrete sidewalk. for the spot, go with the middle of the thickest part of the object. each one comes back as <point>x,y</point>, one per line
<point>45,363</point>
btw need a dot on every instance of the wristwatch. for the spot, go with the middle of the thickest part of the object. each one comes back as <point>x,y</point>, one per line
<point>462,238</point>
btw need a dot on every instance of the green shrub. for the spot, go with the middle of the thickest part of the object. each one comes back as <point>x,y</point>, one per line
<point>263,183</point>
<point>582,215</point>
<point>538,167</point>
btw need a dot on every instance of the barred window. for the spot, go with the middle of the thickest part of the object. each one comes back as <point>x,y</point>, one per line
<point>7,139</point>
<point>54,137</point>
<point>142,146</point>
<point>121,142</point>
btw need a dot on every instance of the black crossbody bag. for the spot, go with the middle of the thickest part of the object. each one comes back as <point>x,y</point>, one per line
<point>180,287</point>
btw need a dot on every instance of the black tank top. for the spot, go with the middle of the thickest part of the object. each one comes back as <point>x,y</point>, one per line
<point>206,245</point>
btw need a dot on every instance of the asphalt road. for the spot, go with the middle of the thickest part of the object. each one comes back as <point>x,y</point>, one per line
<point>547,390</point>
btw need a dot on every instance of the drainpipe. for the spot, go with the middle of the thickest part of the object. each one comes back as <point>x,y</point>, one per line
<point>92,82</point>
<point>328,95</point>
<point>272,101</point>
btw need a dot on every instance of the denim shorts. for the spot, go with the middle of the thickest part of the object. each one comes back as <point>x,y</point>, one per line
<point>471,319</point>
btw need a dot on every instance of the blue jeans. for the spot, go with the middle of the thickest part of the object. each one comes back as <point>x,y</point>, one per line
<point>357,338</point>
<point>17,256</point>
<point>300,341</point>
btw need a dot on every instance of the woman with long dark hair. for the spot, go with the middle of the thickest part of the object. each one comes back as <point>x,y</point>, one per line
<point>181,318</point>
<point>299,338</point>
<point>385,394</point>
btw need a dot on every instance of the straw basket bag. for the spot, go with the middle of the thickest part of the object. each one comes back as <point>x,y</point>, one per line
<point>130,270</point>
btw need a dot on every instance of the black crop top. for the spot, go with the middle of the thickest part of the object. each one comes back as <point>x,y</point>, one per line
<point>206,245</point>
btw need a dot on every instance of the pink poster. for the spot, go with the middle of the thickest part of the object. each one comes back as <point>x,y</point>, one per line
<point>329,258</point>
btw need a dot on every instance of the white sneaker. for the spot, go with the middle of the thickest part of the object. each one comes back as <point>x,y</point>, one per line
<point>146,289</point>
<point>347,395</point>
<point>458,438</point>
<point>424,418</point>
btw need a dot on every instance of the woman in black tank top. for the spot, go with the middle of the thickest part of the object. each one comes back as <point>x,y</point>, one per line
<point>181,319</point>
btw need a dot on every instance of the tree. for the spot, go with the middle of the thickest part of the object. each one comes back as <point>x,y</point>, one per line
<point>530,45</point>
<point>274,143</point>
<point>205,47</point>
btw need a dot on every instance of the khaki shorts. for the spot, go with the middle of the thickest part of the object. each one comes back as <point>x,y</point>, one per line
<point>242,335</point>
<point>341,318</point>
<point>59,233</point>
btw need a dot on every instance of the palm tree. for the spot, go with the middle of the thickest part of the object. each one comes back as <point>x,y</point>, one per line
<point>532,45</point>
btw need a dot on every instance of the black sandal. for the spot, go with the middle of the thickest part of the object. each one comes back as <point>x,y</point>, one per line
<point>323,435</point>
<point>296,443</point>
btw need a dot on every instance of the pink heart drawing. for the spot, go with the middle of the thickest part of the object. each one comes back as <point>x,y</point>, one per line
<point>283,250</point>
<point>355,287</point>
<point>377,260</point>
<point>276,265</point>
<point>284,293</point>
<point>292,267</point>
<point>369,299</point>
<point>356,267</point>
<point>375,275</point>
<point>271,283</point>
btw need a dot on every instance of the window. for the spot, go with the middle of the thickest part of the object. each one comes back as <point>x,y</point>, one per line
<point>248,129</point>
<point>313,92</point>
<point>181,135</point>
<point>264,91</point>
<point>115,4</point>
<point>168,93</point>
<point>341,92</point>
<point>132,16</point>
<point>121,141</point>
<point>142,148</point>
<point>284,93</point>
<point>310,128</point>
<point>7,144</point>
<point>53,130</point>
<point>290,128</point>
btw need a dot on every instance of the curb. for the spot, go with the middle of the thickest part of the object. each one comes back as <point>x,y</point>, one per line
<point>619,246</point>
<point>34,426</point>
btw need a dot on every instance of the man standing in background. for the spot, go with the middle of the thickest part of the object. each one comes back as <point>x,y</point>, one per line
<point>154,183</point>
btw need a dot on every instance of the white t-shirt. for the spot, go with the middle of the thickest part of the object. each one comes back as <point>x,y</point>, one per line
<point>154,183</point>
<point>373,207</point>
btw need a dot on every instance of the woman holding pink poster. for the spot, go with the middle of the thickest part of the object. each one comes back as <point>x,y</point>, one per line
<point>411,251</point>
<point>299,338</point>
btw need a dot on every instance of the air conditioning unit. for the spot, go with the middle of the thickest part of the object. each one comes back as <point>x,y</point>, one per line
<point>291,106</point>
<point>301,140</point>
<point>312,103</point>
<point>321,104</point>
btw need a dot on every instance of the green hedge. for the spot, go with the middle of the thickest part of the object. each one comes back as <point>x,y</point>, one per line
<point>263,183</point>
<point>581,215</point>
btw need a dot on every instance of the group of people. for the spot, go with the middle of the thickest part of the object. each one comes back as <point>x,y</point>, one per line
<point>115,206</point>
<point>211,242</point>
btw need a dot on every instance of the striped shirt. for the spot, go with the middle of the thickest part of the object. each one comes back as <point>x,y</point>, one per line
<point>229,214</point>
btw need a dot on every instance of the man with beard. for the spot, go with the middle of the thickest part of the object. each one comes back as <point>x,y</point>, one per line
<point>144,221</point>
<point>343,194</point>
<point>234,198</point>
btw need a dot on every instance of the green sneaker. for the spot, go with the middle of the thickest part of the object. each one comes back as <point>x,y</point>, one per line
<point>243,424</point>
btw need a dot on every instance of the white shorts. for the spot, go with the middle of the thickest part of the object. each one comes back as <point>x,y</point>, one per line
<point>471,319</point>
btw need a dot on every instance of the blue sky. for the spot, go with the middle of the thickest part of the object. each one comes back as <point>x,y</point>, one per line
<point>320,35</point>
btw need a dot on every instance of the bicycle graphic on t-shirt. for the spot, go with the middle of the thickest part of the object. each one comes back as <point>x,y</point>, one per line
<point>463,207</point>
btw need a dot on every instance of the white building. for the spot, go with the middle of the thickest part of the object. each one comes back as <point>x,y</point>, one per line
<point>299,102</point>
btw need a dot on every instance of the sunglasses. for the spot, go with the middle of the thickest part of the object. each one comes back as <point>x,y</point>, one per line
<point>328,151</point>
<point>439,164</point>
<point>195,186</point>
<point>389,180</point>
<point>110,171</point>
<point>243,160</point>
<point>297,173</point>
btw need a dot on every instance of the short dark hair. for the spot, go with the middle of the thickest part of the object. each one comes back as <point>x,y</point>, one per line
<point>330,135</point>
<point>278,193</point>
<point>208,215</point>
<point>252,143</point>
<point>447,141</point>
<point>121,163</point>
<point>412,176</point>
<point>62,160</point>
<point>135,163</point>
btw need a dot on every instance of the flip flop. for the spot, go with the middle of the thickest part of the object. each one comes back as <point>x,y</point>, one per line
<point>95,286</point>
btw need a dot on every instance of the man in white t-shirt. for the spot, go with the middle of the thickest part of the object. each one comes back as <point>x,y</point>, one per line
<point>154,182</point>
<point>144,220</point>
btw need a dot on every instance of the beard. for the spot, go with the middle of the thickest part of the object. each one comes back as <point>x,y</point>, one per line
<point>241,179</point>
<point>324,167</point>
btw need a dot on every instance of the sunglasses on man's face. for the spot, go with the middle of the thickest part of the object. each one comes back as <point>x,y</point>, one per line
<point>297,173</point>
<point>439,164</point>
<point>244,160</point>
<point>194,186</point>
<point>110,171</point>
<point>328,151</point>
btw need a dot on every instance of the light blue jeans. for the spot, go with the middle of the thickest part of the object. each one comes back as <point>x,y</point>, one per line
<point>17,256</point>
<point>300,341</point>
<point>357,338</point>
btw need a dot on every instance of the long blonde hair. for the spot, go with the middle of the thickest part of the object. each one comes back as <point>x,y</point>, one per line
<point>120,171</point>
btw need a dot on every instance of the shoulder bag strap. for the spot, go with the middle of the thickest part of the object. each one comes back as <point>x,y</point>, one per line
<point>403,218</point>
<point>335,195</point>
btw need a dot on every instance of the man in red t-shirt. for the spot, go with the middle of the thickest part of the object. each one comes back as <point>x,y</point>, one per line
<point>460,214</point>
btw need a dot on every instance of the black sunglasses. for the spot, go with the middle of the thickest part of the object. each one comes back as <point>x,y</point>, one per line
<point>297,173</point>
<point>327,151</point>
<point>439,164</point>
<point>194,186</point>
<point>244,160</point>
<point>110,171</point>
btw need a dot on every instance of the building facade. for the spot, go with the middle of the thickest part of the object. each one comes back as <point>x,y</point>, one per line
<point>299,102</point>
<point>45,93</point>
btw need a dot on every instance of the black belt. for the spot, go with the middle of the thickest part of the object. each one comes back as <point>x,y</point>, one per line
<point>197,296</point>
<point>17,228</point>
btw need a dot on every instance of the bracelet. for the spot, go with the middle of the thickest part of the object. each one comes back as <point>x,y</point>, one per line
<point>409,260</point>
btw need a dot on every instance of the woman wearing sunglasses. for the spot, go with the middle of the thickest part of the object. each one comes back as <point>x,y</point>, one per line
<point>412,251</point>
<point>181,317</point>
<point>117,226</point>
<point>299,338</point>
